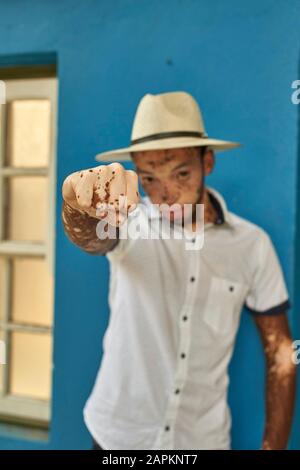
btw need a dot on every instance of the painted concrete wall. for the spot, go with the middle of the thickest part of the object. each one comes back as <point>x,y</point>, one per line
<point>238,59</point>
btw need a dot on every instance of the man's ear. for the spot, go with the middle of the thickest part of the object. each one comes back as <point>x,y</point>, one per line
<point>208,161</point>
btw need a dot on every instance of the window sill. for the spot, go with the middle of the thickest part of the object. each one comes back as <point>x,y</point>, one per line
<point>23,432</point>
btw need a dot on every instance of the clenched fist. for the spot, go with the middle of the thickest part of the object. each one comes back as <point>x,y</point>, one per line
<point>105,191</point>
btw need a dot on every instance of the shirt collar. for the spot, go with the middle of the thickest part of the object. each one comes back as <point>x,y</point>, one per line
<point>217,200</point>
<point>220,205</point>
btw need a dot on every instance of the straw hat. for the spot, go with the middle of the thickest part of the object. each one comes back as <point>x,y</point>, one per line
<point>166,120</point>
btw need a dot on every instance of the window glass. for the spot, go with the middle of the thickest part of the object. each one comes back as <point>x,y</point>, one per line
<point>27,208</point>
<point>31,291</point>
<point>30,364</point>
<point>28,127</point>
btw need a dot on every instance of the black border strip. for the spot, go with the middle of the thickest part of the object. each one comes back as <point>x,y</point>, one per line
<point>166,135</point>
<point>278,309</point>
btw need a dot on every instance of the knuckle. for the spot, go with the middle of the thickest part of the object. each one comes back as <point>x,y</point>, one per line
<point>100,167</point>
<point>132,182</point>
<point>67,180</point>
<point>131,173</point>
<point>116,166</point>
<point>66,187</point>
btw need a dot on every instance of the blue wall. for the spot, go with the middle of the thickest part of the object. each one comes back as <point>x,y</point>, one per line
<point>238,59</point>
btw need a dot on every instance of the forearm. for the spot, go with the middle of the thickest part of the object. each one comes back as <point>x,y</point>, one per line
<point>80,228</point>
<point>280,398</point>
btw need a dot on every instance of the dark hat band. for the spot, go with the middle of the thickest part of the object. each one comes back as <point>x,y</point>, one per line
<point>166,135</point>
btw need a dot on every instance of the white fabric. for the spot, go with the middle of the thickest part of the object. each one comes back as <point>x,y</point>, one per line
<point>158,313</point>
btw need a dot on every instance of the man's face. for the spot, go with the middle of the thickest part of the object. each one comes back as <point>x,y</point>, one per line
<point>173,176</point>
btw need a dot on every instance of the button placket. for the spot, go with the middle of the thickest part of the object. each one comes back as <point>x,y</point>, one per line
<point>165,438</point>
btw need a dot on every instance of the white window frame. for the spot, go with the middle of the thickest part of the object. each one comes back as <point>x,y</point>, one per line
<point>26,409</point>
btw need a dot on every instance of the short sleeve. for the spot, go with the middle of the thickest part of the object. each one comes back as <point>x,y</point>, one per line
<point>268,293</point>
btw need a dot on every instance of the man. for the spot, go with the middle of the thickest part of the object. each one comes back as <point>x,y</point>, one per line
<point>175,308</point>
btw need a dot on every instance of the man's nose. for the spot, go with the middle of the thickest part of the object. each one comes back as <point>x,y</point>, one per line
<point>169,197</point>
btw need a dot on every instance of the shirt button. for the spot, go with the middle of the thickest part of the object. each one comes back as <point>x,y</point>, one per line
<point>192,279</point>
<point>182,355</point>
<point>231,288</point>
<point>184,318</point>
<point>167,428</point>
<point>177,391</point>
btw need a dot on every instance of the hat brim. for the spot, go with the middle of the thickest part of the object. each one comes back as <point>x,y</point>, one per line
<point>123,154</point>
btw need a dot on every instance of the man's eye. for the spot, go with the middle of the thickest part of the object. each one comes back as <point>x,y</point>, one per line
<point>183,174</point>
<point>148,179</point>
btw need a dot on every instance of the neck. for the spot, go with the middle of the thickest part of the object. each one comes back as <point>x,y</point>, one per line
<point>210,213</point>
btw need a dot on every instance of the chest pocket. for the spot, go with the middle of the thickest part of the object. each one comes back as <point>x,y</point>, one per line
<point>224,302</point>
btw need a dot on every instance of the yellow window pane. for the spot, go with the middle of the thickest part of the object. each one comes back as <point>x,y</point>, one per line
<point>30,365</point>
<point>27,208</point>
<point>32,292</point>
<point>1,287</point>
<point>28,133</point>
<point>2,359</point>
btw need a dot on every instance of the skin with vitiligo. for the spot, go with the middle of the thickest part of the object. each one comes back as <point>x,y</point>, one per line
<point>280,379</point>
<point>92,194</point>
<point>177,176</point>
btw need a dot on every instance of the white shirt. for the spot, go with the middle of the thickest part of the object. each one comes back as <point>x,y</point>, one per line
<point>174,315</point>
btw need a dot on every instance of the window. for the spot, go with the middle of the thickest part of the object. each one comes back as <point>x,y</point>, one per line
<point>27,189</point>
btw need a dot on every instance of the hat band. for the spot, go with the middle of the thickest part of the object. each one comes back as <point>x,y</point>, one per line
<point>166,135</point>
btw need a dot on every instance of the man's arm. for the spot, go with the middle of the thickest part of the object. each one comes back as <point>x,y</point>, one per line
<point>281,379</point>
<point>81,230</point>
